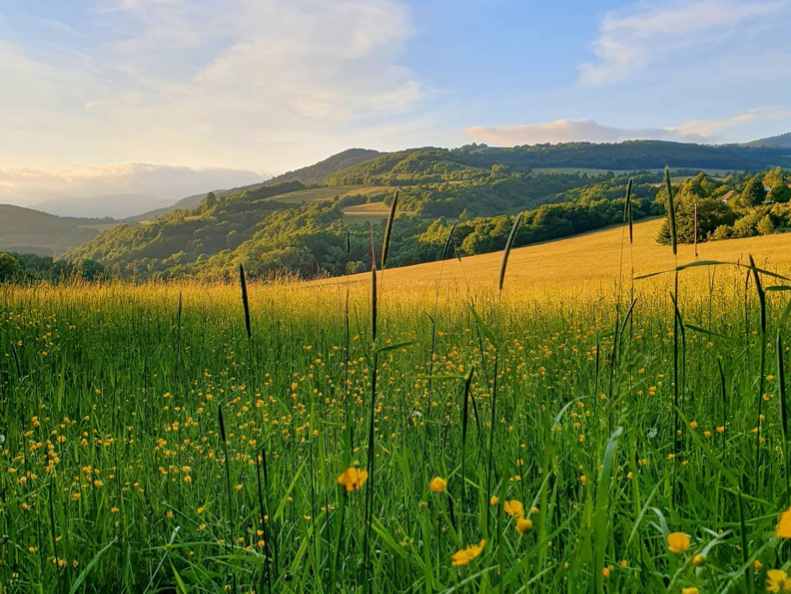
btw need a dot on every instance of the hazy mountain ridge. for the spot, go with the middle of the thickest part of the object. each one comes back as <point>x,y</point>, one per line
<point>117,206</point>
<point>312,174</point>
<point>566,188</point>
<point>779,141</point>
<point>477,179</point>
<point>32,231</point>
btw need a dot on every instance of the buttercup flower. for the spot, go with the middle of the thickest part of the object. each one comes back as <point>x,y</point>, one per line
<point>514,508</point>
<point>437,484</point>
<point>677,542</point>
<point>466,555</point>
<point>783,529</point>
<point>523,526</point>
<point>353,478</point>
<point>777,581</point>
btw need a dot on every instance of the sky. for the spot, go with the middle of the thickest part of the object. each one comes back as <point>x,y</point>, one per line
<point>104,96</point>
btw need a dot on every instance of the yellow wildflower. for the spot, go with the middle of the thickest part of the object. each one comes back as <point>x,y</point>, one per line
<point>783,529</point>
<point>437,484</point>
<point>677,542</point>
<point>353,478</point>
<point>514,508</point>
<point>777,581</point>
<point>523,526</point>
<point>466,555</point>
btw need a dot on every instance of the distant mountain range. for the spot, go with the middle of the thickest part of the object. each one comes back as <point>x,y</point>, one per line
<point>780,141</point>
<point>31,231</point>
<point>312,174</point>
<point>117,206</point>
<point>417,171</point>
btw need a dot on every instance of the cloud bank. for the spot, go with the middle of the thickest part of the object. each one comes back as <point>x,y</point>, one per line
<point>646,34</point>
<point>259,84</point>
<point>28,186</point>
<point>700,131</point>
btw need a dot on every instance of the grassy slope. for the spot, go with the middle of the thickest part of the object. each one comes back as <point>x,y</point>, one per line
<point>28,230</point>
<point>313,174</point>
<point>316,173</point>
<point>319,194</point>
<point>590,258</point>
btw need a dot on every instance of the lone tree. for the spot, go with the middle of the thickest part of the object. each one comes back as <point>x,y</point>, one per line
<point>9,267</point>
<point>753,193</point>
<point>777,181</point>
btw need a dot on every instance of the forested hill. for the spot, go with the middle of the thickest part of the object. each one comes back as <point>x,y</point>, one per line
<point>35,232</point>
<point>318,172</point>
<point>316,229</point>
<point>430,163</point>
<point>312,174</point>
<point>780,141</point>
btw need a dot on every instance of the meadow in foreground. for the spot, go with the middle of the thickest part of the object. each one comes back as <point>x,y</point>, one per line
<point>455,438</point>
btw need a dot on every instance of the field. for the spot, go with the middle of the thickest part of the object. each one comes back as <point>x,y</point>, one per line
<point>372,212</point>
<point>443,436</point>
<point>328,193</point>
<point>596,172</point>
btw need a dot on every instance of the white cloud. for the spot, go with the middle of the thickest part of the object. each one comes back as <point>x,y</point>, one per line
<point>260,84</point>
<point>27,186</point>
<point>632,40</point>
<point>710,128</point>
<point>701,131</point>
<point>571,131</point>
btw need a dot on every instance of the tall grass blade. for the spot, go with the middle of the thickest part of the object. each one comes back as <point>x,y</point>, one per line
<point>245,302</point>
<point>762,367</point>
<point>671,211</point>
<point>781,383</point>
<point>601,514</point>
<point>628,209</point>
<point>508,245</point>
<point>373,289</point>
<point>449,241</point>
<point>389,230</point>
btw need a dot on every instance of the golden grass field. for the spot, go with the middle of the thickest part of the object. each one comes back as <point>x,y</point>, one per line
<point>590,259</point>
<point>437,436</point>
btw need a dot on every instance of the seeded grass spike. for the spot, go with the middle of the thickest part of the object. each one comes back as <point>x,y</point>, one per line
<point>671,211</point>
<point>449,241</point>
<point>508,245</point>
<point>628,209</point>
<point>389,229</point>
<point>245,302</point>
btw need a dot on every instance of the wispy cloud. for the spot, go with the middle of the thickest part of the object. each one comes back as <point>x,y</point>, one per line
<point>636,38</point>
<point>701,131</point>
<point>214,81</point>
<point>711,128</point>
<point>570,131</point>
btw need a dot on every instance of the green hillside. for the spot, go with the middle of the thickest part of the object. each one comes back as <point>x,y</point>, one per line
<point>306,230</point>
<point>316,173</point>
<point>313,174</point>
<point>780,141</point>
<point>432,163</point>
<point>31,231</point>
<point>320,193</point>
<point>324,229</point>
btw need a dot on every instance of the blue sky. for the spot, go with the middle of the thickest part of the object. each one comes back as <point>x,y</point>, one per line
<point>90,89</point>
